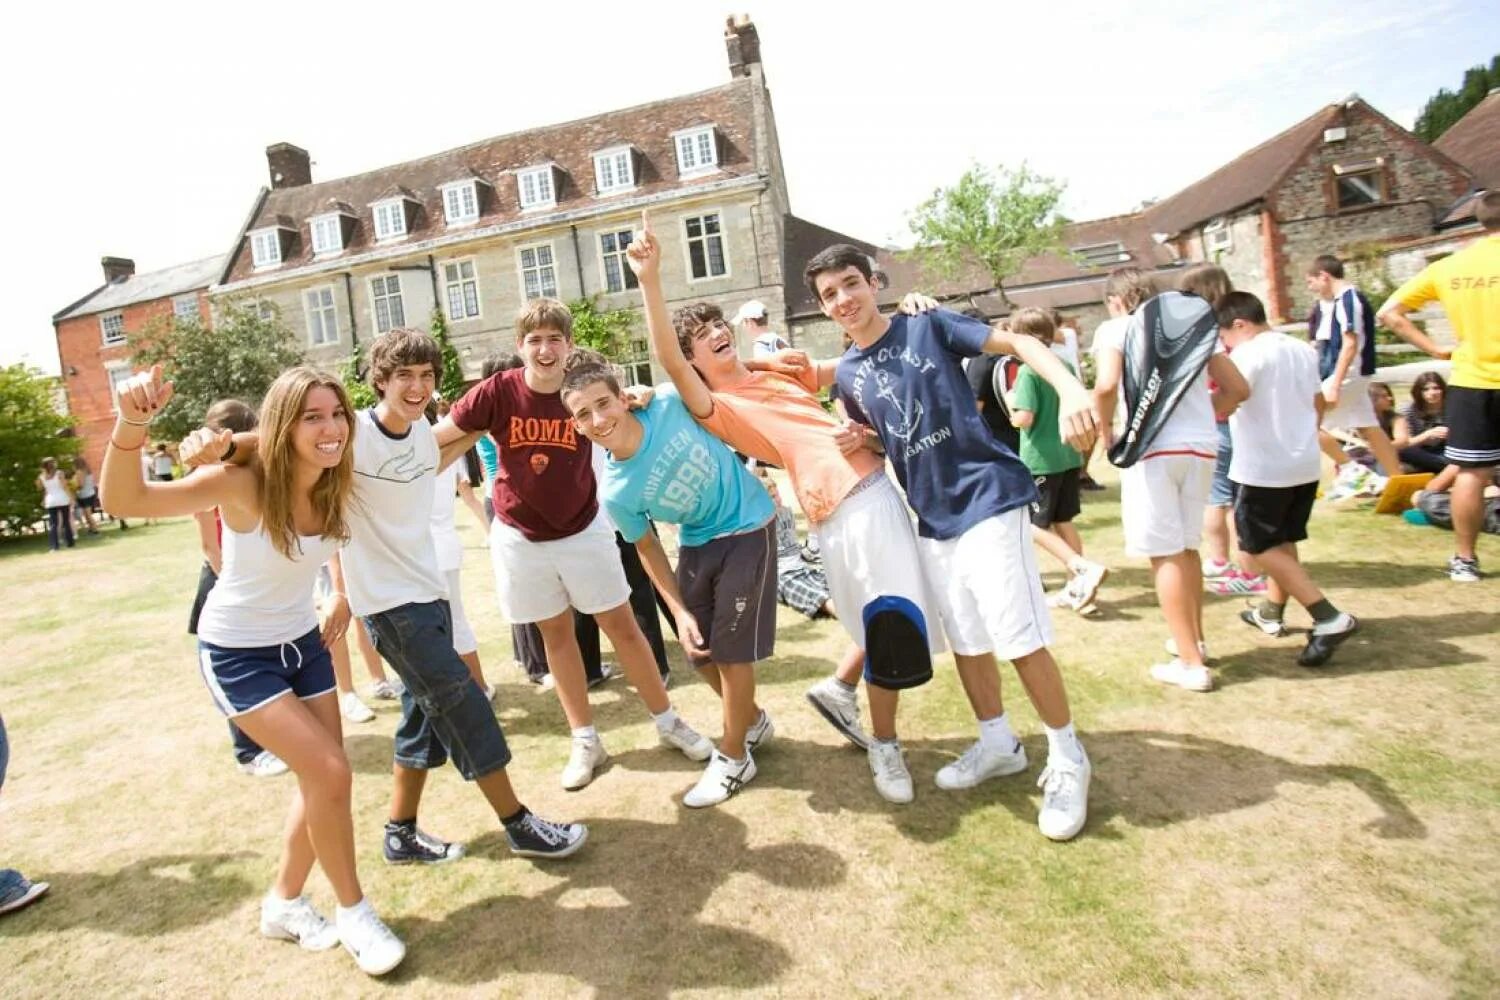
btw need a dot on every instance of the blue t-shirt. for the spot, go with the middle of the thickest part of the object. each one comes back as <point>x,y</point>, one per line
<point>489,459</point>
<point>910,387</point>
<point>683,475</point>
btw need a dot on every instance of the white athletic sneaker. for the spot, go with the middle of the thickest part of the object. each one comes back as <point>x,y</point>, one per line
<point>761,732</point>
<point>840,709</point>
<point>1182,675</point>
<point>1085,583</point>
<point>588,754</point>
<point>693,744</point>
<point>375,949</point>
<point>1062,598</point>
<point>264,765</point>
<point>1065,797</point>
<point>386,690</point>
<point>721,779</point>
<point>354,710</point>
<point>892,779</point>
<point>489,692</point>
<point>1171,647</point>
<point>978,764</point>
<point>547,683</point>
<point>296,920</point>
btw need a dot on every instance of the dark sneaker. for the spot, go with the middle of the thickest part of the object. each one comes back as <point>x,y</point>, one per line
<point>534,837</point>
<point>18,892</point>
<point>406,844</point>
<point>1325,638</point>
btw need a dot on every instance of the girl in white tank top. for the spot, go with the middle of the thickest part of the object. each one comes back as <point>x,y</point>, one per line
<point>283,516</point>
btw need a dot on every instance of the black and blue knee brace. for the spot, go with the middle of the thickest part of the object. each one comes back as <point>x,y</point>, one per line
<point>897,653</point>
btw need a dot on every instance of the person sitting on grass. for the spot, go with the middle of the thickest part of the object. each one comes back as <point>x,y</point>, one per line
<point>801,583</point>
<point>1420,432</point>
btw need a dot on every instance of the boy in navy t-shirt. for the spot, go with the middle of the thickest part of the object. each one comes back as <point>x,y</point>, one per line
<point>903,376</point>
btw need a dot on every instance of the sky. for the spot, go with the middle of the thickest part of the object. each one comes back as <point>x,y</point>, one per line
<point>139,130</point>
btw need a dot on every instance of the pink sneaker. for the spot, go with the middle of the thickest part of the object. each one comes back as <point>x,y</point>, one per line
<point>1213,570</point>
<point>1238,582</point>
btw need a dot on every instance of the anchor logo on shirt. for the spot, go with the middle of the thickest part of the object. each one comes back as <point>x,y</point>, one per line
<point>539,463</point>
<point>909,420</point>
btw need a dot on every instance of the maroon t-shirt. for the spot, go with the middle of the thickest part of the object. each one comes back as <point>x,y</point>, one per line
<point>545,486</point>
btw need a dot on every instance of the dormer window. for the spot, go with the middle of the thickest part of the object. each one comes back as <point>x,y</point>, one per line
<point>697,151</point>
<point>461,202</point>
<point>265,247</point>
<point>390,218</point>
<point>614,170</point>
<point>1101,254</point>
<point>327,233</point>
<point>536,188</point>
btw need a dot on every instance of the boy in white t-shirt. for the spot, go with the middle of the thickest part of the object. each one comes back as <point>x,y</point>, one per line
<point>1163,495</point>
<point>1275,470</point>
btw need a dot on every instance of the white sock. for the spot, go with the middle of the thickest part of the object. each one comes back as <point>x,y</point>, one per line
<point>1064,741</point>
<point>844,687</point>
<point>343,913</point>
<point>585,733</point>
<point>996,735</point>
<point>667,719</point>
<point>275,901</point>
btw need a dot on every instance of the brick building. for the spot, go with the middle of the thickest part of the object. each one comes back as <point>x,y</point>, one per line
<point>91,335</point>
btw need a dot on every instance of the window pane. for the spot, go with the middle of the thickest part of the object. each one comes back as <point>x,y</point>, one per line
<point>710,223</point>
<point>694,227</point>
<point>544,255</point>
<point>528,257</point>
<point>549,282</point>
<point>398,312</point>
<point>607,243</point>
<point>613,280</point>
<point>471,299</point>
<point>532,288</point>
<point>455,302</point>
<point>705,148</point>
<point>466,269</point>
<point>1358,189</point>
<point>450,272</point>
<point>716,256</point>
<point>695,259</point>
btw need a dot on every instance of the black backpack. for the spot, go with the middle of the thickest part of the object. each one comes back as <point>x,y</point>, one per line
<point>1168,343</point>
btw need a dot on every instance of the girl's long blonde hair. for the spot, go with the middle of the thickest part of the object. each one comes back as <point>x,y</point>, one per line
<point>279,414</point>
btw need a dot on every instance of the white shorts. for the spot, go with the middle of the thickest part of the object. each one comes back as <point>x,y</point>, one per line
<point>1354,409</point>
<point>989,587</point>
<point>1162,499</point>
<point>869,550</point>
<point>464,639</point>
<point>539,580</point>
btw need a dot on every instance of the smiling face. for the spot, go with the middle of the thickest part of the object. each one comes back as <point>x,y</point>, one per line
<point>712,346</point>
<point>848,298</point>
<point>322,429</point>
<point>601,414</point>
<point>544,350</point>
<point>407,390</point>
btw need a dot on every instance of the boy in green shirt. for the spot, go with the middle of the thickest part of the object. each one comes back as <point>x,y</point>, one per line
<point>1033,409</point>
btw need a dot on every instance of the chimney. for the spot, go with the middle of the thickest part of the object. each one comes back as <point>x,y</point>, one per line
<point>289,165</point>
<point>117,268</point>
<point>743,43</point>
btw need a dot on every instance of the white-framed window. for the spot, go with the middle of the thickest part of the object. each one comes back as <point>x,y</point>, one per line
<point>461,202</point>
<point>705,246</point>
<point>327,233</point>
<point>322,317</point>
<point>1217,237</point>
<point>112,328</point>
<point>185,308</point>
<point>614,170</point>
<point>390,218</point>
<point>697,153</point>
<point>385,301</point>
<point>117,371</point>
<point>1101,254</point>
<point>265,247</point>
<point>538,273</point>
<point>535,187</point>
<point>637,363</point>
<point>461,289</point>
<point>617,273</point>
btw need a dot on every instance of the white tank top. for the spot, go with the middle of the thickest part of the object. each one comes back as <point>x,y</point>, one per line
<point>86,487</point>
<point>55,491</point>
<point>263,598</point>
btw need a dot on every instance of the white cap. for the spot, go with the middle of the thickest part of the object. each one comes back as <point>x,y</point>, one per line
<point>754,309</point>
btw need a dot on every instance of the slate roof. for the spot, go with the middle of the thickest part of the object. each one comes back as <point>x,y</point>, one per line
<point>145,287</point>
<point>1474,141</point>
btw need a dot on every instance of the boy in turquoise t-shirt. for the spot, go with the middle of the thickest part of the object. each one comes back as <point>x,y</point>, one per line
<point>663,466</point>
<point>1033,406</point>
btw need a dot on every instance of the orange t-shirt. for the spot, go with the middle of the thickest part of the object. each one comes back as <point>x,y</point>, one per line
<point>778,419</point>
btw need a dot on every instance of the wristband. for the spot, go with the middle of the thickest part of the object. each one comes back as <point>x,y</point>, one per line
<point>121,447</point>
<point>229,453</point>
<point>134,423</point>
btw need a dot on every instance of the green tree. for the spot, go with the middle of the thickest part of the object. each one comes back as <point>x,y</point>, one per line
<point>352,374</point>
<point>995,220</point>
<point>604,330</point>
<point>1445,108</point>
<point>451,387</point>
<point>31,429</point>
<point>238,358</point>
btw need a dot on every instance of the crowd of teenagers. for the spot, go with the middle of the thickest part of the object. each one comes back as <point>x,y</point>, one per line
<point>315,517</point>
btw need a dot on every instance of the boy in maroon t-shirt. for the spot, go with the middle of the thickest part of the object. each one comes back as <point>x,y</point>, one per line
<point>551,546</point>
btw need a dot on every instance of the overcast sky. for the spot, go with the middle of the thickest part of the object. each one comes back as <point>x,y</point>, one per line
<point>139,130</point>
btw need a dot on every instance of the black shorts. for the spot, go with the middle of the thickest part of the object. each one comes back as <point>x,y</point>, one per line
<point>87,503</point>
<point>1268,516</point>
<point>1057,501</point>
<point>729,586</point>
<point>1473,417</point>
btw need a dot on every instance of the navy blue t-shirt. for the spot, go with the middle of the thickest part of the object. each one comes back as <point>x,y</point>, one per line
<point>910,387</point>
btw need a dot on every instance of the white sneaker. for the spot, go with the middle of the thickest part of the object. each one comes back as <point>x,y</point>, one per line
<point>547,683</point>
<point>1171,647</point>
<point>607,672</point>
<point>892,779</point>
<point>375,949</point>
<point>588,754</point>
<point>296,920</point>
<point>1065,797</point>
<point>1086,582</point>
<point>721,779</point>
<point>1062,598</point>
<point>489,692</point>
<point>693,744</point>
<point>354,710</point>
<point>978,764</point>
<point>264,765</point>
<point>761,732</point>
<point>386,690</point>
<point>1187,677</point>
<point>840,709</point>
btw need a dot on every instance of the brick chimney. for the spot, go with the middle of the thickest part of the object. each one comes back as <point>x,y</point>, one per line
<point>117,268</point>
<point>743,43</point>
<point>290,165</point>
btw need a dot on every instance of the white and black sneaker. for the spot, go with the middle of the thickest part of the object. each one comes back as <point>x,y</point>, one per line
<point>1270,626</point>
<point>1461,570</point>
<point>839,708</point>
<point>722,778</point>
<point>760,732</point>
<point>296,920</point>
<point>366,937</point>
<point>530,836</point>
<point>406,844</point>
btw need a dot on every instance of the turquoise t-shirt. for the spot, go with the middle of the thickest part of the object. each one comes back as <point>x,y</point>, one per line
<point>683,475</point>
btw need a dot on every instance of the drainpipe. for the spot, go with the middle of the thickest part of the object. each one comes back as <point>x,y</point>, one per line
<point>353,316</point>
<point>578,262</point>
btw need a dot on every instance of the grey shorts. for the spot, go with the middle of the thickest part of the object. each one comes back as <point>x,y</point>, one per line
<point>729,586</point>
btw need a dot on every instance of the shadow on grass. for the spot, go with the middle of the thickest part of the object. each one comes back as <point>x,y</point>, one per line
<point>140,900</point>
<point>626,911</point>
<point>1352,575</point>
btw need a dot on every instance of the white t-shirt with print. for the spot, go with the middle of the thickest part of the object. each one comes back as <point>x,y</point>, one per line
<point>1191,427</point>
<point>1275,431</point>
<point>445,541</point>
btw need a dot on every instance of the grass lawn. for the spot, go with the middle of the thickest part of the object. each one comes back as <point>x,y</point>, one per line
<point>1297,832</point>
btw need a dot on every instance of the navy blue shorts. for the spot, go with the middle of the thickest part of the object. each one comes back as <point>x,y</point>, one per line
<point>242,680</point>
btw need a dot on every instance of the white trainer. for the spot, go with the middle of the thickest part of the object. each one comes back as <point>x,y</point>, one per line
<point>354,710</point>
<point>693,744</point>
<point>1182,675</point>
<point>264,765</point>
<point>1086,582</point>
<point>588,754</point>
<point>888,765</point>
<point>386,690</point>
<point>365,936</point>
<point>296,920</point>
<point>762,731</point>
<point>721,779</point>
<point>1065,797</point>
<point>840,709</point>
<point>979,764</point>
<point>1171,647</point>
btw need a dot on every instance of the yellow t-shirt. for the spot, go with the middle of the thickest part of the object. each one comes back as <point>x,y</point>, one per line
<point>1468,286</point>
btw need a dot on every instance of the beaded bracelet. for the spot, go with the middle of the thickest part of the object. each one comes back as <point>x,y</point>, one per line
<point>134,423</point>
